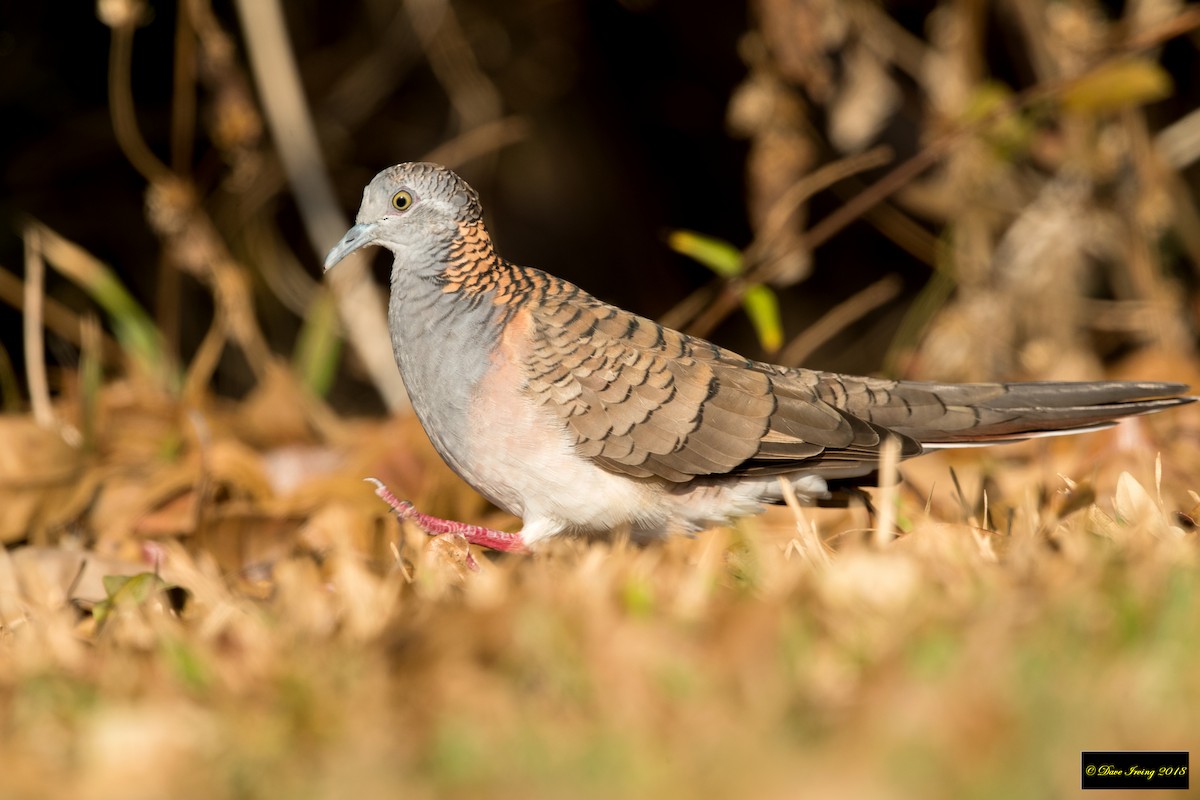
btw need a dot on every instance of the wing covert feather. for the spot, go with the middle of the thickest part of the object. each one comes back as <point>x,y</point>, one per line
<point>648,401</point>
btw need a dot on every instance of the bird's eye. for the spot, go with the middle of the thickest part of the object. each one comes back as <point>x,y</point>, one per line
<point>402,200</point>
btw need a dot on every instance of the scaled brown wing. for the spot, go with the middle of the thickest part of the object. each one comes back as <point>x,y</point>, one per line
<point>648,401</point>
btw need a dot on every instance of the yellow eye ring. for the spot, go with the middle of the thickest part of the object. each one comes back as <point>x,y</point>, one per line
<point>402,200</point>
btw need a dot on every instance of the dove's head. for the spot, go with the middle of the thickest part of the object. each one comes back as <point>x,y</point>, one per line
<point>409,207</point>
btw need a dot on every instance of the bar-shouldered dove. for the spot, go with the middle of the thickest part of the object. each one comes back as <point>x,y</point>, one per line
<point>576,415</point>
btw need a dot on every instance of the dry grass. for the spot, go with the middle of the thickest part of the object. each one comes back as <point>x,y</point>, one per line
<point>1037,600</point>
<point>307,661</point>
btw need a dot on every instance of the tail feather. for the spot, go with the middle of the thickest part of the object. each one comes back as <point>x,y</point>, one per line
<point>1029,410</point>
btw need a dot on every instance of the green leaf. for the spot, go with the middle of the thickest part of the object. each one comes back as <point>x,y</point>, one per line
<point>126,590</point>
<point>133,588</point>
<point>318,345</point>
<point>718,255</point>
<point>132,325</point>
<point>1129,82</point>
<point>114,584</point>
<point>1009,132</point>
<point>762,306</point>
<point>760,302</point>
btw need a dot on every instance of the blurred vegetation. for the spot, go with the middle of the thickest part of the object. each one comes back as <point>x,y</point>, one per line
<point>200,597</point>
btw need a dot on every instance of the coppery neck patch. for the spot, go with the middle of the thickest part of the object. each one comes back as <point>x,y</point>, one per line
<point>473,268</point>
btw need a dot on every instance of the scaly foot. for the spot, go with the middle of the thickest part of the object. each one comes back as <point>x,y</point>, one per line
<point>435,526</point>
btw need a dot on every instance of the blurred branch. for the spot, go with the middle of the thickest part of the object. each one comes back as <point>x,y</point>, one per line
<point>877,192</point>
<point>1030,17</point>
<point>904,231</point>
<point>838,318</point>
<point>183,95</point>
<point>687,309</point>
<point>120,99</point>
<point>1142,317</point>
<point>233,119</point>
<point>371,78</point>
<point>183,133</point>
<point>56,316</point>
<point>930,299</point>
<point>729,296</point>
<point>204,361</point>
<point>890,40</point>
<point>360,303</point>
<point>91,379</point>
<point>278,266</point>
<point>758,253</point>
<point>479,141</point>
<point>1179,143</point>
<point>727,299</point>
<point>35,349</point>
<point>133,327</point>
<point>193,243</point>
<point>473,96</point>
<point>1185,21</point>
<point>1143,266</point>
<point>176,215</point>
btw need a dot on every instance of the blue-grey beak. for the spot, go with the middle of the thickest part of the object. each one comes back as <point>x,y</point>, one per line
<point>359,236</point>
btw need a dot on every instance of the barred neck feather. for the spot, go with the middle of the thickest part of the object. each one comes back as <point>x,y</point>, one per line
<point>474,270</point>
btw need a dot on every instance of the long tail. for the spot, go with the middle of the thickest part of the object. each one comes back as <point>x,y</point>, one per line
<point>964,415</point>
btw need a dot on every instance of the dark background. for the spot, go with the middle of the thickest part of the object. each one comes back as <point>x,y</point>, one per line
<point>627,138</point>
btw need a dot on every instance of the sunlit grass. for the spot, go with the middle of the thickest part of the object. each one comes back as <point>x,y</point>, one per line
<point>951,662</point>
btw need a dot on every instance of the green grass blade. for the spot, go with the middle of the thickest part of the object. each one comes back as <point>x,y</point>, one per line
<point>318,345</point>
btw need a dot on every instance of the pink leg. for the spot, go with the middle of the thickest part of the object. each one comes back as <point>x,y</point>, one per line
<point>435,526</point>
